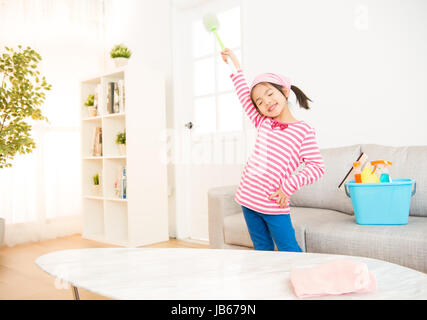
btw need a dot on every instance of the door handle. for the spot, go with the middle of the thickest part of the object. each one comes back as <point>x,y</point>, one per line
<point>189,125</point>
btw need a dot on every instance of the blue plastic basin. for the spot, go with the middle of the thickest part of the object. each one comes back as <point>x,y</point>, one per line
<point>381,203</point>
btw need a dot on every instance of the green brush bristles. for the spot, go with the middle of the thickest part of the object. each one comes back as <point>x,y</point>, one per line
<point>211,22</point>
<point>212,25</point>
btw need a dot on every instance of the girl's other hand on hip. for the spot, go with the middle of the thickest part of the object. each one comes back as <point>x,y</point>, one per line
<point>282,199</point>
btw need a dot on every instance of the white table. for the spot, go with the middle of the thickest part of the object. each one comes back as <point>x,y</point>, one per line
<point>200,274</point>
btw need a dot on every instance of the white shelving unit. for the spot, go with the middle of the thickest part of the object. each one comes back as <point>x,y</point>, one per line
<point>141,218</point>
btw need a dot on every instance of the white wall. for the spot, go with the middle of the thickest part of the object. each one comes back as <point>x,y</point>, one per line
<point>363,63</point>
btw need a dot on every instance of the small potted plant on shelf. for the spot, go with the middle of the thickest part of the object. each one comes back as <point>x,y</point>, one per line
<point>91,109</point>
<point>120,55</point>
<point>96,187</point>
<point>121,142</point>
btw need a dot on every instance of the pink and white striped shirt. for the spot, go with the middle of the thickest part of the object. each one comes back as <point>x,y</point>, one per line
<point>279,149</point>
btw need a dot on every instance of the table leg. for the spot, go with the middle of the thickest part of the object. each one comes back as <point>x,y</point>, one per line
<point>75,293</point>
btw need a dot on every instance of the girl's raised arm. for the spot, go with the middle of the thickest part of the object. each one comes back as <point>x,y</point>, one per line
<point>242,89</point>
<point>243,94</point>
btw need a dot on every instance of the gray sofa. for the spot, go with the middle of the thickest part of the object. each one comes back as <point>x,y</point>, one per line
<point>323,217</point>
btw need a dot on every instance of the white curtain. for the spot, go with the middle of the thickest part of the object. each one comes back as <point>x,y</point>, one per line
<point>40,195</point>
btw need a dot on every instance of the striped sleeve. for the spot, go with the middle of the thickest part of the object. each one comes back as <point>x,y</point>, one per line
<point>243,94</point>
<point>314,167</point>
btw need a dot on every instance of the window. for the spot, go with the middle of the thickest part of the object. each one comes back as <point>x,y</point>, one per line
<point>216,107</point>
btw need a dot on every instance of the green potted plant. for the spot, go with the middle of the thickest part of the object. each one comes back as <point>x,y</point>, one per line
<point>96,186</point>
<point>91,109</point>
<point>21,96</point>
<point>121,142</point>
<point>120,54</point>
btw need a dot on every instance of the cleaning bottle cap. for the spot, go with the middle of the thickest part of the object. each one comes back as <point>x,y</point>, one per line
<point>356,163</point>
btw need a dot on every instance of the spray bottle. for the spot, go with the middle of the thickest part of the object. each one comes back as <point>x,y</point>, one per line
<point>381,168</point>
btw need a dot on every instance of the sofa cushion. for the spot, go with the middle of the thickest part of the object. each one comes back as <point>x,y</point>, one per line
<point>401,244</point>
<point>408,163</point>
<point>324,193</point>
<point>302,217</point>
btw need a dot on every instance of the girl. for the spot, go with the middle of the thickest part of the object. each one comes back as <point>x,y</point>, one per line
<point>282,144</point>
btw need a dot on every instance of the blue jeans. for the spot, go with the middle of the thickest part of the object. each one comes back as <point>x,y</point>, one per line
<point>266,228</point>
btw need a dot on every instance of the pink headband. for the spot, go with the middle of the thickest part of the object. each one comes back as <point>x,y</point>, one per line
<point>273,78</point>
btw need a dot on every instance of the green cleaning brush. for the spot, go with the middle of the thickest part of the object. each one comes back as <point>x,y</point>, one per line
<point>211,24</point>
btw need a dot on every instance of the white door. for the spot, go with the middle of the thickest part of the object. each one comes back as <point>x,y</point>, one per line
<point>209,141</point>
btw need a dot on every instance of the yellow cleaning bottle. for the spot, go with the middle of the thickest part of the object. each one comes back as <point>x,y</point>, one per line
<point>368,176</point>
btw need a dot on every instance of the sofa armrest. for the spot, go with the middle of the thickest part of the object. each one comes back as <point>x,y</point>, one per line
<point>221,203</point>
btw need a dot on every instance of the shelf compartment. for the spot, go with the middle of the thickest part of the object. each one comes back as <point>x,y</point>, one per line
<point>116,221</point>
<point>112,126</point>
<point>88,137</point>
<point>89,169</point>
<point>93,217</point>
<point>112,173</point>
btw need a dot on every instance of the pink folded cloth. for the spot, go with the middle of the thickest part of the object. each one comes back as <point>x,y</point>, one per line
<point>335,277</point>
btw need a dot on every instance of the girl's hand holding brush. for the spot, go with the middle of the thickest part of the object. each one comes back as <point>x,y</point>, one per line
<point>229,53</point>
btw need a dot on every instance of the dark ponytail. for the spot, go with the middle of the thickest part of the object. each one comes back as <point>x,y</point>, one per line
<point>302,99</point>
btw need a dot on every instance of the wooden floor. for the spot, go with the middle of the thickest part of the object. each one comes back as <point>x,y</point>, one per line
<point>22,279</point>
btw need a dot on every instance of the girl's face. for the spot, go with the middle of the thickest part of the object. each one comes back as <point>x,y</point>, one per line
<point>269,100</point>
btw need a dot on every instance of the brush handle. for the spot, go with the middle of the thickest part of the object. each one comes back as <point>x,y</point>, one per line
<point>219,40</point>
<point>230,64</point>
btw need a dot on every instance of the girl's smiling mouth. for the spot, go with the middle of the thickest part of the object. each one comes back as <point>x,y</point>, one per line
<point>272,107</point>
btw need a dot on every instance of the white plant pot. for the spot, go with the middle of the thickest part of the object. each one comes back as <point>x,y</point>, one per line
<point>91,111</point>
<point>120,62</point>
<point>122,149</point>
<point>96,190</point>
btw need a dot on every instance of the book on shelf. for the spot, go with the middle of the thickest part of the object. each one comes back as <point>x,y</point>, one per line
<point>97,142</point>
<point>120,183</point>
<point>121,85</point>
<point>115,97</point>
<point>110,97</point>
<point>350,174</point>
